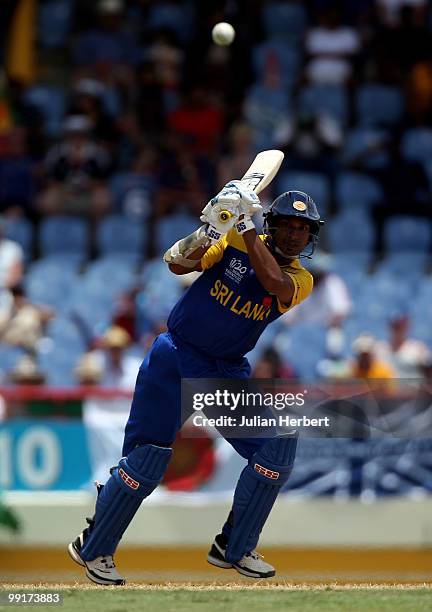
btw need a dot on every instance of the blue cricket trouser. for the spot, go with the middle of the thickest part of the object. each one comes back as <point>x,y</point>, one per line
<point>155,416</point>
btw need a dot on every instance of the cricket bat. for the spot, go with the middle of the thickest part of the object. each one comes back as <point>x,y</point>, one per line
<point>259,174</point>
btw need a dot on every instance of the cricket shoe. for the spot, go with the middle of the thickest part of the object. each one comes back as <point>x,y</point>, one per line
<point>101,570</point>
<point>251,564</point>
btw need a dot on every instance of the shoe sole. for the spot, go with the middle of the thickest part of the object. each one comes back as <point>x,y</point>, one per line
<point>73,553</point>
<point>218,562</point>
<point>251,574</point>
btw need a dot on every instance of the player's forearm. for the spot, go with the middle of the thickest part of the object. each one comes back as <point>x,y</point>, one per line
<point>265,265</point>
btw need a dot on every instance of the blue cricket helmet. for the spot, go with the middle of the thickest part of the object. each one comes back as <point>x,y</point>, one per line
<point>294,204</point>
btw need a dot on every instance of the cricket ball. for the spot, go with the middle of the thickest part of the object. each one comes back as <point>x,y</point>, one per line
<point>223,33</point>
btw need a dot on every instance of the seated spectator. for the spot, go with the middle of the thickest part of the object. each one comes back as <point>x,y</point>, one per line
<point>105,418</point>
<point>21,322</point>
<point>109,43</point>
<point>75,170</point>
<point>331,47</point>
<point>366,363</point>
<point>88,100</point>
<point>329,303</point>
<point>404,354</point>
<point>11,261</point>
<point>27,372</point>
<point>17,175</point>
<point>310,143</point>
<point>198,121</point>
<point>270,365</point>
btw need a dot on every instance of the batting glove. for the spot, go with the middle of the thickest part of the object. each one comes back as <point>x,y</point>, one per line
<point>247,200</point>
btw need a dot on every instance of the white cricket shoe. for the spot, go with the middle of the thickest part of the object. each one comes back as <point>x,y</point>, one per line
<point>101,570</point>
<point>251,564</point>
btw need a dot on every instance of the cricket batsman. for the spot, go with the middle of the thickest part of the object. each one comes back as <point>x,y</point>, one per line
<point>248,280</point>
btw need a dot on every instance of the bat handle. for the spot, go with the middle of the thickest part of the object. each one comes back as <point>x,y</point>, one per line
<point>225,216</point>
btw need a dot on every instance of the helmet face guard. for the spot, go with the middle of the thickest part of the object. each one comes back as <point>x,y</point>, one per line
<point>294,204</point>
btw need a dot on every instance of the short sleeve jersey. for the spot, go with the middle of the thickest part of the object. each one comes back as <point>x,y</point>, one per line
<point>224,312</point>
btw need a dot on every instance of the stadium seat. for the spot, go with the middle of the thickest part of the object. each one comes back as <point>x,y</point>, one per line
<point>66,334</point>
<point>412,265</point>
<point>9,357</point>
<point>314,184</point>
<point>58,363</point>
<point>51,281</point>
<point>417,144</point>
<point>120,235</point>
<point>355,191</point>
<point>108,276</point>
<point>50,102</point>
<point>169,229</point>
<point>64,235</point>
<point>284,20</point>
<point>21,231</point>
<point>291,343</point>
<point>324,99</point>
<point>404,233</point>
<point>132,194</point>
<point>359,143</point>
<point>379,105</point>
<point>350,233</point>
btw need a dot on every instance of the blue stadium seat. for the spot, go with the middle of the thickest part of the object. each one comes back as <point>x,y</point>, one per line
<point>291,343</point>
<point>379,105</point>
<point>349,232</point>
<point>120,235</point>
<point>279,57</point>
<point>356,191</point>
<point>314,184</point>
<point>21,230</point>
<point>64,235</point>
<point>359,143</point>
<point>284,20</point>
<point>403,233</point>
<point>9,357</point>
<point>51,281</point>
<point>170,229</point>
<point>58,364</point>
<point>50,102</point>
<point>108,276</point>
<point>411,265</point>
<point>264,108</point>
<point>417,144</point>
<point>54,22</point>
<point>65,334</point>
<point>324,99</point>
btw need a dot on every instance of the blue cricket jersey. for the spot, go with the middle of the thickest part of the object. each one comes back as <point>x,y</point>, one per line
<point>224,312</point>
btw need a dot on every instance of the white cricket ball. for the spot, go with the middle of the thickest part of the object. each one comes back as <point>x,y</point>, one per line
<point>223,33</point>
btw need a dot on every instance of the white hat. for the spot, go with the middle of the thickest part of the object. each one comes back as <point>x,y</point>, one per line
<point>364,343</point>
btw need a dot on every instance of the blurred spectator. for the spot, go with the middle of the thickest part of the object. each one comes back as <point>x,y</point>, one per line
<point>331,47</point>
<point>366,363</point>
<point>109,44</point>
<point>105,419</point>
<point>329,303</point>
<point>405,185</point>
<point>419,93</point>
<point>271,365</point>
<point>185,180</point>
<point>311,143</point>
<point>22,323</point>
<point>27,372</point>
<point>17,174</point>
<point>88,101</point>
<point>198,121</point>
<point>75,170</point>
<point>240,153</point>
<point>11,261</point>
<point>404,354</point>
<point>150,103</point>
<point>167,58</point>
<point>389,11</point>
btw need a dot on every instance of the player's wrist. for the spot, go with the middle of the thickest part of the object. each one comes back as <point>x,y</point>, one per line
<point>244,225</point>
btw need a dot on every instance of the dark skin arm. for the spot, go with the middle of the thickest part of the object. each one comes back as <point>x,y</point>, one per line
<point>267,268</point>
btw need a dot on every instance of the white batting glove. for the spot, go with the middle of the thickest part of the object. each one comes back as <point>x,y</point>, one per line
<point>247,200</point>
<point>220,216</point>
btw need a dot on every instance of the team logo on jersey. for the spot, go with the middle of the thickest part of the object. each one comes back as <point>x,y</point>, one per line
<point>133,484</point>
<point>266,472</point>
<point>299,205</point>
<point>236,270</point>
